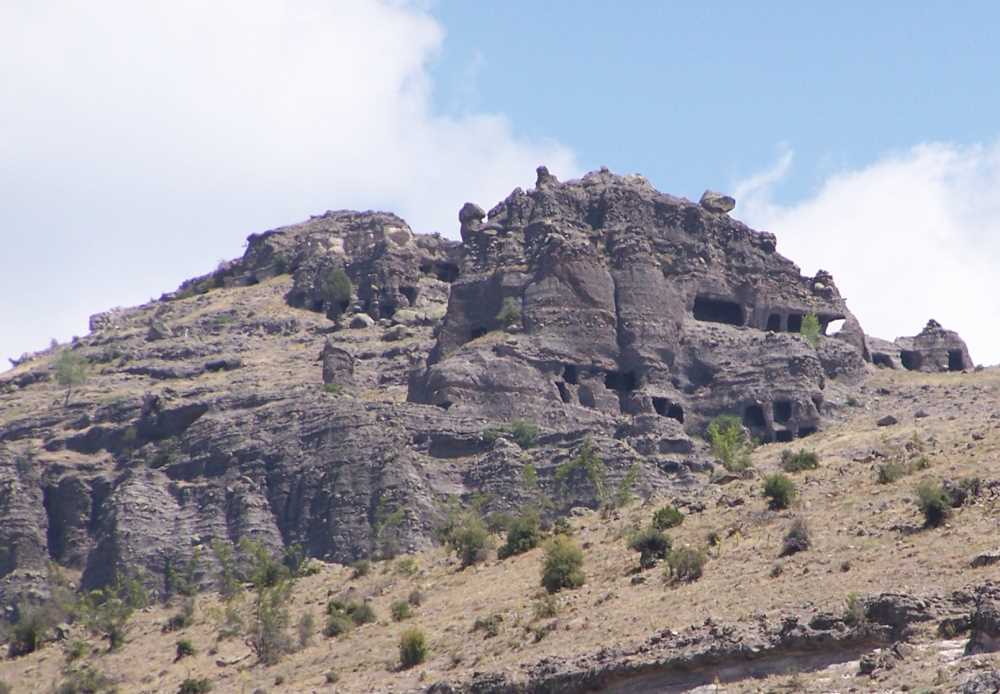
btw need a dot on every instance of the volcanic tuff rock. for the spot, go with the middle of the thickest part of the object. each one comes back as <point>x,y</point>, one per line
<point>242,404</point>
<point>934,349</point>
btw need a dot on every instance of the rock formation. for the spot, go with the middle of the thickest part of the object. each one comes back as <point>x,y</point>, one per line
<point>934,349</point>
<point>333,387</point>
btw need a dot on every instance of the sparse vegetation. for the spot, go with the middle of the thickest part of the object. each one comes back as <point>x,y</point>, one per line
<point>563,564</point>
<point>523,534</point>
<point>85,680</point>
<point>546,607</point>
<point>400,610</point>
<point>587,460</point>
<point>667,517</point>
<point>811,329</point>
<point>797,538</point>
<point>489,625</point>
<point>333,389</point>
<point>510,312</point>
<point>106,611</point>
<point>195,686</point>
<point>799,461</point>
<point>360,568</point>
<point>780,491</point>
<point>413,647</point>
<point>466,535</point>
<point>71,371</point>
<point>415,598</point>
<point>652,545</point>
<point>184,649</point>
<point>29,631</point>
<point>890,472</point>
<point>523,432</point>
<point>854,610</point>
<point>933,502</point>
<point>730,443</point>
<point>306,629</point>
<point>685,564</point>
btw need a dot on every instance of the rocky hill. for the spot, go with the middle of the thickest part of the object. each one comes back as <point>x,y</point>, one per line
<point>346,382</point>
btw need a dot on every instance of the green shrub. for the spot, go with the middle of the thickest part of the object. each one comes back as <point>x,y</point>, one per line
<point>524,433</point>
<point>333,389</point>
<point>183,619</point>
<point>890,472</point>
<point>797,538</point>
<point>797,462</point>
<point>361,613</point>
<point>29,631</point>
<point>184,649</point>
<point>360,568</point>
<point>811,329</point>
<point>625,493</point>
<point>587,460</point>
<point>412,647</point>
<point>415,598</point>
<point>563,564</point>
<point>195,686</point>
<point>854,610</point>
<point>85,680</point>
<point>490,625</point>
<point>652,545</point>
<point>780,490</point>
<point>75,650</point>
<point>510,312</point>
<point>667,517</point>
<point>273,583</point>
<point>730,443</point>
<point>523,534</point>
<point>546,607</point>
<point>337,623</point>
<point>306,629</point>
<point>933,502</point>
<point>335,290</point>
<point>562,526</point>
<point>106,611</point>
<point>332,677</point>
<point>469,539</point>
<point>407,566</point>
<point>400,610</point>
<point>685,563</point>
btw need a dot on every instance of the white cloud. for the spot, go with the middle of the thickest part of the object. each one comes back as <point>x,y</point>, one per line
<point>915,235</point>
<point>141,141</point>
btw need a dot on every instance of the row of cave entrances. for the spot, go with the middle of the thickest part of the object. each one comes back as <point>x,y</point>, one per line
<point>912,360</point>
<point>714,310</point>
<point>621,382</point>
<point>781,411</point>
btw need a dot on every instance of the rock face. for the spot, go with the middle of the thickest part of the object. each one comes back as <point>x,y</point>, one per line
<point>242,404</point>
<point>933,350</point>
<point>632,302</point>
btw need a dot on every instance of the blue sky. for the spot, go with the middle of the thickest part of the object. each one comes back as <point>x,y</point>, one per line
<point>142,142</point>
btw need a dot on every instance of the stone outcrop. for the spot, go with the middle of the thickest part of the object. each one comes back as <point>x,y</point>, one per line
<point>935,349</point>
<point>631,302</point>
<point>242,405</point>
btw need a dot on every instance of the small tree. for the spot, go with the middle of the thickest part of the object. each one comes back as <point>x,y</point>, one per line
<point>106,611</point>
<point>272,584</point>
<point>685,564</point>
<point>652,545</point>
<point>563,565</point>
<point>29,631</point>
<point>71,371</point>
<point>523,534</point>
<point>730,443</point>
<point>780,490</point>
<point>510,312</point>
<point>469,539</point>
<point>336,289</point>
<point>587,460</point>
<point>810,329</point>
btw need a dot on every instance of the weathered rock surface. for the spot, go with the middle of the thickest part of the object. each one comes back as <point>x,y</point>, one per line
<point>934,349</point>
<point>629,317</point>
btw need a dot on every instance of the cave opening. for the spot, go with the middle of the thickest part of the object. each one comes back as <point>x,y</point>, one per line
<point>774,323</point>
<point>794,322</point>
<point>718,311</point>
<point>955,360</point>
<point>912,360</point>
<point>806,431</point>
<point>410,293</point>
<point>753,416</point>
<point>563,392</point>
<point>882,359</point>
<point>622,381</point>
<point>782,410</point>
<point>477,332</point>
<point>446,272</point>
<point>665,408</point>
<point>570,374</point>
<point>783,436</point>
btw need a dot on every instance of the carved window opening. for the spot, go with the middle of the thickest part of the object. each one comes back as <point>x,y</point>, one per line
<point>718,311</point>
<point>911,359</point>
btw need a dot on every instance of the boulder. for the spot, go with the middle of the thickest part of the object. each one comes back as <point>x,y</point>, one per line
<point>718,203</point>
<point>359,321</point>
